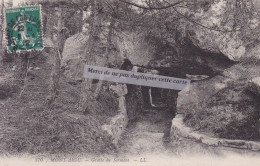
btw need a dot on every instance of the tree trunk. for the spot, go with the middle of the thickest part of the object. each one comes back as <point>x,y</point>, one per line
<point>55,75</point>
<point>1,33</point>
<point>1,25</point>
<point>108,51</point>
<point>92,43</point>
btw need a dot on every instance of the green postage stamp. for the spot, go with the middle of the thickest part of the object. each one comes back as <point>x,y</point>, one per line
<point>23,28</point>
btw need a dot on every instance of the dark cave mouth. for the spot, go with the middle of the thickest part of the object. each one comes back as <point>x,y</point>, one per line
<point>190,60</point>
<point>195,64</point>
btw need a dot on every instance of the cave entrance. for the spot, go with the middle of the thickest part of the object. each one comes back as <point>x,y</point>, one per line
<point>143,99</point>
<point>150,110</point>
<point>159,98</point>
<point>156,95</point>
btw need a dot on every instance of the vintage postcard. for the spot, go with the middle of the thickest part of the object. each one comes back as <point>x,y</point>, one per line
<point>129,82</point>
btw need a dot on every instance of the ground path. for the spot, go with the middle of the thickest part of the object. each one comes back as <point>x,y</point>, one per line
<point>149,135</point>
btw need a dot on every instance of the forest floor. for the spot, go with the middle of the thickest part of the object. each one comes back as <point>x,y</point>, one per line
<point>28,126</point>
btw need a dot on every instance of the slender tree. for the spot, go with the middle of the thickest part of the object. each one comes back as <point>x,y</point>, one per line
<point>95,21</point>
<point>55,75</point>
<point>1,24</point>
<point>108,52</point>
<point>1,31</point>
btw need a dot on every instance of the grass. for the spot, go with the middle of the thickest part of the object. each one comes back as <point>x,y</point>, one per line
<point>29,127</point>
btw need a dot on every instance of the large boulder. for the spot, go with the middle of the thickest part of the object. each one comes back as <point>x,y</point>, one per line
<point>127,45</point>
<point>227,105</point>
<point>136,48</point>
<point>211,34</point>
<point>222,105</point>
<point>74,55</point>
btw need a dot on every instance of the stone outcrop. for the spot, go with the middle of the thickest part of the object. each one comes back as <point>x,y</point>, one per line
<point>118,123</point>
<point>180,131</point>
<point>222,105</point>
<point>211,34</point>
<point>129,45</point>
<point>135,47</point>
<point>73,59</point>
<point>226,104</point>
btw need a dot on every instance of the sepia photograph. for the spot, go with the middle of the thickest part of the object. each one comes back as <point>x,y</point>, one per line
<point>129,82</point>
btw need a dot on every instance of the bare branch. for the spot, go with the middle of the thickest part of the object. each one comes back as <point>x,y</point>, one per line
<point>151,8</point>
<point>186,17</point>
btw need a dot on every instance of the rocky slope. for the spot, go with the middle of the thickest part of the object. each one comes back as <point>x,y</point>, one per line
<point>226,105</point>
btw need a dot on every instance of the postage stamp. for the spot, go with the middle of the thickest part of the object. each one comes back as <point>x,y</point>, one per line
<point>23,28</point>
